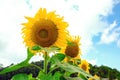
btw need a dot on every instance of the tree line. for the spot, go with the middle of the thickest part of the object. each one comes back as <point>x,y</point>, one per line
<point>102,71</point>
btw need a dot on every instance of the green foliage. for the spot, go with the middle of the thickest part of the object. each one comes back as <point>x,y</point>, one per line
<point>105,72</point>
<point>20,77</point>
<point>34,71</point>
<point>83,77</point>
<point>43,76</point>
<point>27,70</point>
<point>59,56</point>
<point>70,68</point>
<point>13,68</point>
<point>20,65</point>
<point>23,77</point>
<point>57,75</point>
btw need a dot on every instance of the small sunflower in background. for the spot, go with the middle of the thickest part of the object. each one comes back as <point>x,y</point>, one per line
<point>72,50</point>
<point>96,77</point>
<point>45,29</point>
<point>84,65</point>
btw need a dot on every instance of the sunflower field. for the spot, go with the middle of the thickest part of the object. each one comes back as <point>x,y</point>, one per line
<point>46,34</point>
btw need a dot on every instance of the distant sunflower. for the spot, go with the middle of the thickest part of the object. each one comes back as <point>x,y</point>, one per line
<point>45,29</point>
<point>96,77</point>
<point>72,48</point>
<point>85,65</point>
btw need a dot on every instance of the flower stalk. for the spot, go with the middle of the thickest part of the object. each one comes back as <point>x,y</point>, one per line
<point>45,62</point>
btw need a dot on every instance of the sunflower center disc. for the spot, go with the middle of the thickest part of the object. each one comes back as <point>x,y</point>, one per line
<point>43,33</point>
<point>72,51</point>
<point>84,67</point>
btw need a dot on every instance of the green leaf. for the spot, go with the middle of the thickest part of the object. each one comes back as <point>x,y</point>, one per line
<point>29,55</point>
<point>73,69</point>
<point>20,77</point>
<point>70,68</point>
<point>43,76</point>
<point>36,48</point>
<point>57,75</point>
<point>19,65</point>
<point>30,77</point>
<point>59,56</point>
<point>13,68</point>
<point>72,78</point>
<point>62,78</point>
<point>83,77</point>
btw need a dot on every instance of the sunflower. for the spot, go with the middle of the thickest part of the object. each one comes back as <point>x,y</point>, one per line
<point>72,49</point>
<point>84,65</point>
<point>96,77</point>
<point>45,29</point>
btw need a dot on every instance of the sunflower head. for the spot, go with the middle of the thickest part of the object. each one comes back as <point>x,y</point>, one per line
<point>85,65</point>
<point>95,76</point>
<point>45,29</point>
<point>72,49</point>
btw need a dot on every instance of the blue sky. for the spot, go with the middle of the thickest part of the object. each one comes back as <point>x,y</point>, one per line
<point>96,21</point>
<point>108,53</point>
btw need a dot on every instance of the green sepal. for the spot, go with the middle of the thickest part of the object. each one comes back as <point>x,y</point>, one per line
<point>54,49</point>
<point>36,48</point>
<point>70,43</point>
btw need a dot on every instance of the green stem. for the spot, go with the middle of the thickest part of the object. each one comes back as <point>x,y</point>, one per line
<point>45,62</point>
<point>53,69</point>
<point>36,66</point>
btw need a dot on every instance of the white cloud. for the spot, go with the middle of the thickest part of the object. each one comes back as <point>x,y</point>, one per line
<point>11,16</point>
<point>84,20</point>
<point>118,42</point>
<point>93,61</point>
<point>110,34</point>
